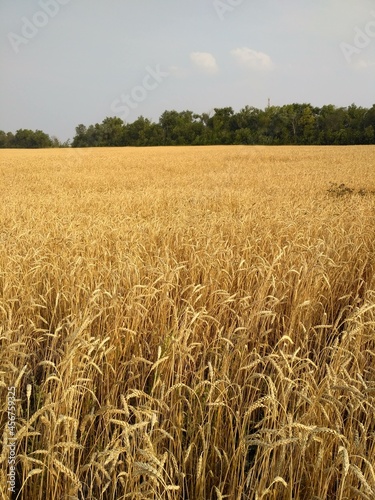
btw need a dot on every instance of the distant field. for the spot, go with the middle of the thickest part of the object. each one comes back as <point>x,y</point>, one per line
<point>188,323</point>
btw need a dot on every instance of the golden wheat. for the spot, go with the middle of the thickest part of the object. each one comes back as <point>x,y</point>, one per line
<point>189,322</point>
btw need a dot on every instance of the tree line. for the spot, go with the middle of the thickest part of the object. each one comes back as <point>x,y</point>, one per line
<point>300,124</point>
<point>29,139</point>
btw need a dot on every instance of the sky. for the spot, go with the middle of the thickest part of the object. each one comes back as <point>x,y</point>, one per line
<point>67,62</point>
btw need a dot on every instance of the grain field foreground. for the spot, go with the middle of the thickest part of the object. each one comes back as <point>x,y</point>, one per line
<point>188,323</point>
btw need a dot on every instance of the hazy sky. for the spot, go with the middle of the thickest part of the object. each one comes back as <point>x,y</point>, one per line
<point>66,62</point>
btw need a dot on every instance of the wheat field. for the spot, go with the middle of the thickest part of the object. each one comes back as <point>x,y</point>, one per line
<point>188,323</point>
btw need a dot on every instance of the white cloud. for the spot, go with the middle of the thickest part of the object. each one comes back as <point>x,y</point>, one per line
<point>251,59</point>
<point>204,61</point>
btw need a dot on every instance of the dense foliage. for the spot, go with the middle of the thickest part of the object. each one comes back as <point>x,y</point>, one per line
<point>276,125</point>
<point>27,139</point>
<point>289,124</point>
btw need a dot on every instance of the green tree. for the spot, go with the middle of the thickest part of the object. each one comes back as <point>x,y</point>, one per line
<point>25,138</point>
<point>308,122</point>
<point>142,132</point>
<point>80,139</point>
<point>223,125</point>
<point>332,123</point>
<point>112,132</point>
<point>181,128</point>
<point>369,135</point>
<point>6,139</point>
<point>289,124</point>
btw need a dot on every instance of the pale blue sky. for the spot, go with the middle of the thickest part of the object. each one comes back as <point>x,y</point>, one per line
<point>65,62</point>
